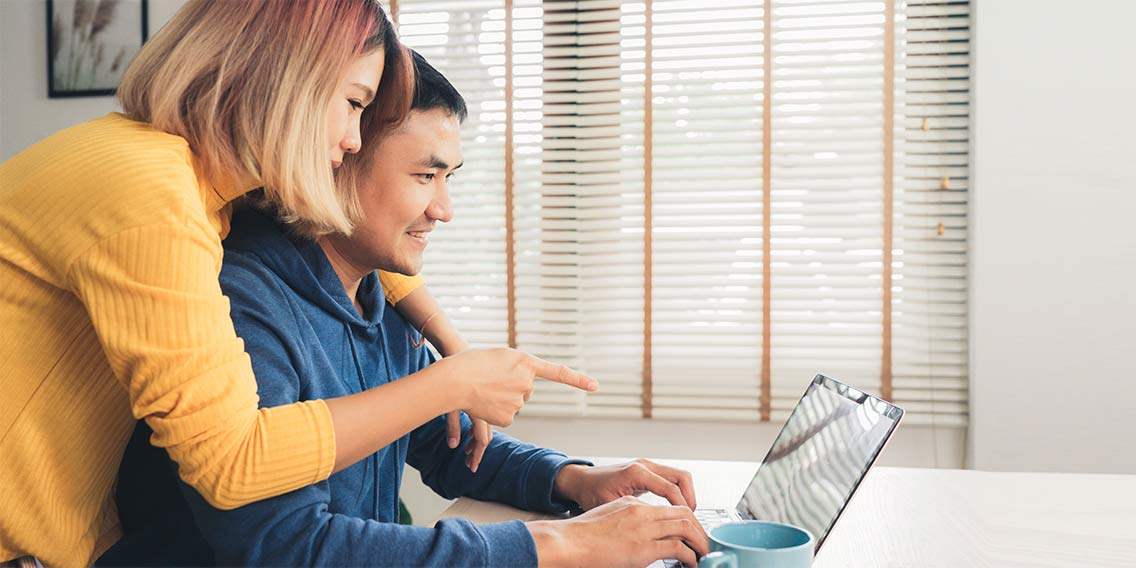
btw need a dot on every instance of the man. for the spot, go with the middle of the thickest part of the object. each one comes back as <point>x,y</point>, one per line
<point>315,324</point>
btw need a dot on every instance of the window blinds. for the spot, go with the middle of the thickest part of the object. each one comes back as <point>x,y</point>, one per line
<point>674,321</point>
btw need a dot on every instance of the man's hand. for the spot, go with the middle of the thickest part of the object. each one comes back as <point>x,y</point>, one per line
<point>591,487</point>
<point>625,532</point>
<point>481,432</point>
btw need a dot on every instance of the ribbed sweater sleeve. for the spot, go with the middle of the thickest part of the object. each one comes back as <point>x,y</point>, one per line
<point>155,303</point>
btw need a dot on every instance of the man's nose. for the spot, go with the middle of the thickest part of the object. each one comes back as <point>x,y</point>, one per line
<point>441,209</point>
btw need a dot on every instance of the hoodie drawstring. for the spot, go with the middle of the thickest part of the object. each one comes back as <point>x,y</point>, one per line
<point>397,441</point>
<point>374,462</point>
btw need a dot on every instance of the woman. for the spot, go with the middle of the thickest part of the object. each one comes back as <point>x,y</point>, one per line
<point>110,246</point>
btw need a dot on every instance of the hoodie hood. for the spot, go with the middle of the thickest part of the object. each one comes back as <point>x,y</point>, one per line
<point>353,347</point>
<point>303,266</point>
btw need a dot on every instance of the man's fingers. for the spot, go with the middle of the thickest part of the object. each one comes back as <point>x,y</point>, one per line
<point>670,548</point>
<point>453,429</point>
<point>659,513</point>
<point>686,486</point>
<point>657,484</point>
<point>677,476</point>
<point>560,374</point>
<point>481,437</point>
<point>475,457</point>
<point>686,532</point>
<point>482,431</point>
<point>688,527</point>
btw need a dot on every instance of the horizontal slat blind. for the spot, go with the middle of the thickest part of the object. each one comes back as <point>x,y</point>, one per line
<point>465,262</point>
<point>578,111</point>
<point>827,194</point>
<point>708,66</point>
<point>588,250</point>
<point>929,327</point>
<point>547,210</point>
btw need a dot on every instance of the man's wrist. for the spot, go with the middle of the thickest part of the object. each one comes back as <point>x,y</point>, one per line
<point>565,486</point>
<point>550,545</point>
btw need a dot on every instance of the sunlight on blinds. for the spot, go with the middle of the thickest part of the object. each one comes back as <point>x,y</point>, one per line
<point>827,194</point>
<point>579,82</point>
<point>707,190</point>
<point>465,263</point>
<point>932,181</point>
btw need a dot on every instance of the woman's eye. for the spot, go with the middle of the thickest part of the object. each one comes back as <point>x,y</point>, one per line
<point>357,105</point>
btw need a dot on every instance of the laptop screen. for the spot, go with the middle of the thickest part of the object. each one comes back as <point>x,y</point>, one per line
<point>823,451</point>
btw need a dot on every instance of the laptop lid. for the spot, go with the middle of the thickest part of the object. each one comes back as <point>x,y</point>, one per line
<point>820,457</point>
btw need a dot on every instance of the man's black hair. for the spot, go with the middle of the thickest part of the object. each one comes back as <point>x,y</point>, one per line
<point>432,90</point>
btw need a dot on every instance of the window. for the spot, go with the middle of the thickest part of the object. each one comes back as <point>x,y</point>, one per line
<point>575,188</point>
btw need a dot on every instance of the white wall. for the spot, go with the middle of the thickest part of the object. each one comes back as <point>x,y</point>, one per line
<point>1053,257</point>
<point>26,114</point>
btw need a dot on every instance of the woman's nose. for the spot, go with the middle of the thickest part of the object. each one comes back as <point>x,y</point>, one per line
<point>353,141</point>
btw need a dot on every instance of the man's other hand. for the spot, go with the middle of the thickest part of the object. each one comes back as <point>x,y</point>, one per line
<point>591,487</point>
<point>480,435</point>
<point>625,532</point>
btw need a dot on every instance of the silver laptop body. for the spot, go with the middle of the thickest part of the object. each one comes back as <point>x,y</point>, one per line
<point>817,462</point>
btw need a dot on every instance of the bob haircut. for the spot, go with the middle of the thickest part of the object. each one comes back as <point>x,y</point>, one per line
<point>248,85</point>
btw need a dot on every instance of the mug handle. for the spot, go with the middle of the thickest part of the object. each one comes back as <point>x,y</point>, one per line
<point>718,558</point>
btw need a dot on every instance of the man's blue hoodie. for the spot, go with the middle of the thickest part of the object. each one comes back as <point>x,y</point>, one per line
<point>307,341</point>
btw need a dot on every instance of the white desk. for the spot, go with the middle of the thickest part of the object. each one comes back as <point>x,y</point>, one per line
<point>904,517</point>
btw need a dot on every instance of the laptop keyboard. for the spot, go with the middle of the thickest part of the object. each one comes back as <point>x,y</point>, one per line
<point>709,518</point>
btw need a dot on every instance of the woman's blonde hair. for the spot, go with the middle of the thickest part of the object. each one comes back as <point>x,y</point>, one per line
<point>248,83</point>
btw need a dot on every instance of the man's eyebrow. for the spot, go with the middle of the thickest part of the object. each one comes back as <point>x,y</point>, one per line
<point>368,94</point>
<point>434,162</point>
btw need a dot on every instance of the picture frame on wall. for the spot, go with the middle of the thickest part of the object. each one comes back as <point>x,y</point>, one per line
<point>90,43</point>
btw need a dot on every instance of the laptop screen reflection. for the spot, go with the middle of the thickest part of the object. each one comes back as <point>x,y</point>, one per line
<point>819,458</point>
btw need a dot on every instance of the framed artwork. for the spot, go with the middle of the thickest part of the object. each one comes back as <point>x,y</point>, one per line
<point>89,44</point>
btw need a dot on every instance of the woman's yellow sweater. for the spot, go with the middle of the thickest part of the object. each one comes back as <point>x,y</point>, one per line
<point>110,311</point>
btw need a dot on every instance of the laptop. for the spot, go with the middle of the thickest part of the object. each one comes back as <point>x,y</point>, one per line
<point>823,452</point>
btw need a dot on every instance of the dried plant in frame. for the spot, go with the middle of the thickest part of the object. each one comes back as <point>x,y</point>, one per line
<point>90,42</point>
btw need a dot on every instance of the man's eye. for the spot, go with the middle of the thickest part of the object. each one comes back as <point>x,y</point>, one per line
<point>357,105</point>
<point>449,176</point>
<point>426,177</point>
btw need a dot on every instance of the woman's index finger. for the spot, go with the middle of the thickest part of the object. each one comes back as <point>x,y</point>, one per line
<point>561,374</point>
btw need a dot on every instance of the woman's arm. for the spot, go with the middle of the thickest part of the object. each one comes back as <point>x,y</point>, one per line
<point>426,315</point>
<point>491,384</point>
<point>154,300</point>
<point>410,295</point>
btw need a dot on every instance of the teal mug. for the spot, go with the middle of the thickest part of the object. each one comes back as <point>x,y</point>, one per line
<point>760,544</point>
